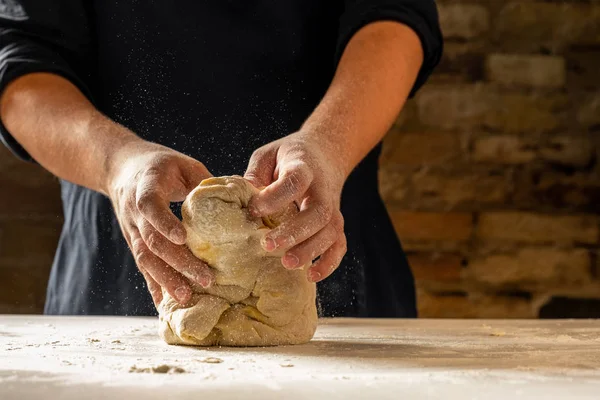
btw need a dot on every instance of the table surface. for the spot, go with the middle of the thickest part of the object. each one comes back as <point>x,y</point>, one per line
<point>123,357</point>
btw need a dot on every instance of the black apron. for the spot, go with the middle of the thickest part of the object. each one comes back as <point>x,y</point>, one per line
<point>214,80</point>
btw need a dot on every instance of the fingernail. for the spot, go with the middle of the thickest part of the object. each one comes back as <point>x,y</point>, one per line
<point>290,261</point>
<point>206,281</point>
<point>182,294</point>
<point>254,211</point>
<point>177,235</point>
<point>268,244</point>
<point>314,276</point>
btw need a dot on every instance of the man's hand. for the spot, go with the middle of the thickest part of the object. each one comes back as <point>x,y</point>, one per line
<point>144,179</point>
<point>374,77</point>
<point>296,168</point>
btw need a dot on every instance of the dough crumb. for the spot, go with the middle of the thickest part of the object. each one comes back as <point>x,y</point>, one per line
<point>159,369</point>
<point>93,340</point>
<point>498,333</point>
<point>116,341</point>
<point>211,360</point>
<point>286,365</point>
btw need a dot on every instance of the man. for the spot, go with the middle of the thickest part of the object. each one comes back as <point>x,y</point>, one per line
<point>132,103</point>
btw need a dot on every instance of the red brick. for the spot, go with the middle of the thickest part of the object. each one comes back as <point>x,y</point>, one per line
<point>589,111</point>
<point>526,70</point>
<point>461,62</point>
<point>526,112</point>
<point>25,242</point>
<point>538,228</point>
<point>25,173</point>
<point>436,267</point>
<point>431,305</point>
<point>571,151</point>
<point>556,25</point>
<point>494,307</point>
<point>543,267</point>
<point>22,199</point>
<point>26,188</point>
<point>422,148</point>
<point>582,69</point>
<point>573,192</point>
<point>415,225</point>
<point>447,189</point>
<point>23,287</point>
<point>485,107</point>
<point>393,184</point>
<point>463,21</point>
<point>504,149</point>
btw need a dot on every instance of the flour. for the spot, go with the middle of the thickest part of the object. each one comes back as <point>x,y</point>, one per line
<point>347,359</point>
<point>159,369</point>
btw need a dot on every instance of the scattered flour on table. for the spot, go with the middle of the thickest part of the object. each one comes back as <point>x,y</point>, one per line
<point>211,360</point>
<point>159,369</point>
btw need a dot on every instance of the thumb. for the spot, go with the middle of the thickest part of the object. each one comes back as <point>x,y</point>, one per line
<point>261,167</point>
<point>194,173</point>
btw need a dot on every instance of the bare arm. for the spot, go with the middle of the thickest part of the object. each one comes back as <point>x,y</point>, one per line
<point>63,131</point>
<point>373,80</point>
<point>374,77</point>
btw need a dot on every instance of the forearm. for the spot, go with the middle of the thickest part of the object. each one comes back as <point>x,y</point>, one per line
<point>372,82</point>
<point>61,129</point>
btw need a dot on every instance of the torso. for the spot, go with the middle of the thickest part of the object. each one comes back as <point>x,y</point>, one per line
<point>216,80</point>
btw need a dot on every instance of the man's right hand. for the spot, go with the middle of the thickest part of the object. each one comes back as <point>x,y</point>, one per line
<point>143,179</point>
<point>74,141</point>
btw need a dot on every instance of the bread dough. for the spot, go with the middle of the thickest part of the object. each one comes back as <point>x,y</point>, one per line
<point>255,301</point>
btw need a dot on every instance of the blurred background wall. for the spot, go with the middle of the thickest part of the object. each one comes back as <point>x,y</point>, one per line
<point>490,174</point>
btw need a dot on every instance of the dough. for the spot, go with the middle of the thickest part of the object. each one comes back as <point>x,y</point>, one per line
<point>255,301</point>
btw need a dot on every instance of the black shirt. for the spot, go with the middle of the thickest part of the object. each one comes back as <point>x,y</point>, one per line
<point>213,79</point>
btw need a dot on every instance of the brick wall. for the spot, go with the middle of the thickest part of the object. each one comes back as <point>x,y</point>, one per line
<point>30,222</point>
<point>491,173</point>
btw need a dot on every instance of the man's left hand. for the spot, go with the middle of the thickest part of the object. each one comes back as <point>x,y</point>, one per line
<point>300,168</point>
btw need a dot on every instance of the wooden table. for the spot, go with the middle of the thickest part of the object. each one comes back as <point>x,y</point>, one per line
<point>123,358</point>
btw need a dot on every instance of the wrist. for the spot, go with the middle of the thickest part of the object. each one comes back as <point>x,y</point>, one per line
<point>334,148</point>
<point>333,152</point>
<point>119,145</point>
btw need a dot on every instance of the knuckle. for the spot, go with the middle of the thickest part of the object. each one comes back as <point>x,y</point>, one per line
<point>323,212</point>
<point>142,255</point>
<point>144,201</point>
<point>258,154</point>
<point>292,182</point>
<point>154,242</point>
<point>344,247</point>
<point>337,221</point>
<point>304,171</point>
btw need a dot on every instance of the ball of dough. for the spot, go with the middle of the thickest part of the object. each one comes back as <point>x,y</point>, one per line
<point>255,301</point>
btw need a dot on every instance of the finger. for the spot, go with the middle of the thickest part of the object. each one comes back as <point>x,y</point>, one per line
<point>261,167</point>
<point>155,209</point>
<point>153,287</point>
<point>293,182</point>
<point>173,282</point>
<point>328,262</point>
<point>312,248</point>
<point>178,257</point>
<point>302,226</point>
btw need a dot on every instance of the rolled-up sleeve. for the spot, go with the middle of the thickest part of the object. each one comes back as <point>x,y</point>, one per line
<point>420,15</point>
<point>43,36</point>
